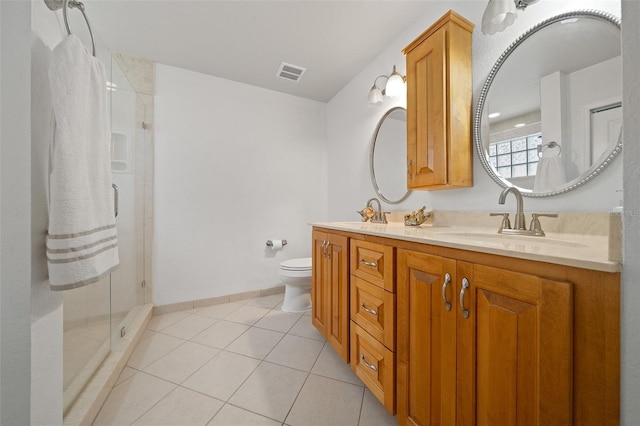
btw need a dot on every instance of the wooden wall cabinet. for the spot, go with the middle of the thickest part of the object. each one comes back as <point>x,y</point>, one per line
<point>330,290</point>
<point>439,102</point>
<point>479,345</point>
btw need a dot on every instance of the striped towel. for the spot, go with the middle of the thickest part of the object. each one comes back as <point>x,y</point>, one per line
<point>82,242</point>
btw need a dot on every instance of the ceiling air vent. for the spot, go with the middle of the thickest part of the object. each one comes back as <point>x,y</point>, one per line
<point>290,72</point>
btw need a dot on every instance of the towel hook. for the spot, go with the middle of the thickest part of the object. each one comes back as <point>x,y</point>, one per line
<point>65,5</point>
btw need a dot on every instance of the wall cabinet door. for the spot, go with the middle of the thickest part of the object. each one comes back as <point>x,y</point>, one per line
<point>501,355</point>
<point>330,290</point>
<point>439,95</point>
<point>426,345</point>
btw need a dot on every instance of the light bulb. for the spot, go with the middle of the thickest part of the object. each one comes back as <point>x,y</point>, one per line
<point>395,84</point>
<point>375,95</point>
<point>498,15</point>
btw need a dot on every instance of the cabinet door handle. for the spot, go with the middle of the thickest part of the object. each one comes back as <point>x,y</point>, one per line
<point>325,248</point>
<point>364,361</point>
<point>409,169</point>
<point>447,280</point>
<point>372,264</point>
<point>465,286</point>
<point>371,311</point>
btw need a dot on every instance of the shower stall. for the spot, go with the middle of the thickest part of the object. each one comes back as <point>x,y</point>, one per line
<point>97,316</point>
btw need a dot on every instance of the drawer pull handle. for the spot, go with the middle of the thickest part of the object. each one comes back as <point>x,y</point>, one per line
<point>447,280</point>
<point>372,264</point>
<point>371,311</point>
<point>465,286</point>
<point>364,361</point>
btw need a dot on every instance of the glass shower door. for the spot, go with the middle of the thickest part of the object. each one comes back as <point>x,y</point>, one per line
<point>97,315</point>
<point>128,170</point>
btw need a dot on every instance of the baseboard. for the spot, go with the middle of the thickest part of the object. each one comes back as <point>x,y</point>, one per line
<point>201,303</point>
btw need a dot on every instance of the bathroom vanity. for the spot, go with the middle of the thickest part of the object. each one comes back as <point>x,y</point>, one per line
<point>460,325</point>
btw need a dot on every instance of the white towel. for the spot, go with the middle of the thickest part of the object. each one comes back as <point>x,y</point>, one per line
<point>82,244</point>
<point>550,174</point>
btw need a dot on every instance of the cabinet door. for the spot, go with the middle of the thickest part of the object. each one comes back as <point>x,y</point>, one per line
<point>427,113</point>
<point>426,345</point>
<point>319,288</point>
<point>514,348</point>
<point>337,280</point>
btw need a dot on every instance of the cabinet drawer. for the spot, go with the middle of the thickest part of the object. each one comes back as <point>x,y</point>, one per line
<point>373,262</point>
<point>373,309</point>
<point>375,365</point>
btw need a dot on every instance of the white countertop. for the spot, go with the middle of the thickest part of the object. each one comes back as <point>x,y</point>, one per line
<point>581,251</point>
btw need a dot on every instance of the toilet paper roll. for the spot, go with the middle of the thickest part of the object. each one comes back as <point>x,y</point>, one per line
<point>276,244</point>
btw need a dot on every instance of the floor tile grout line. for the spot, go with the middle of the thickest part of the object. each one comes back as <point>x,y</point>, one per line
<point>173,335</point>
<point>304,383</point>
<point>216,413</point>
<point>156,360</point>
<point>189,376</point>
<point>296,398</point>
<point>361,407</point>
<point>156,403</point>
<point>253,412</point>
<point>169,325</point>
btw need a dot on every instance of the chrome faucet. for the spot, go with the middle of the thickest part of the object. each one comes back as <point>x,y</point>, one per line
<point>519,228</point>
<point>519,223</point>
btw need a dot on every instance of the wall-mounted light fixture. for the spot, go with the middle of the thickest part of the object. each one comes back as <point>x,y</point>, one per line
<point>393,87</point>
<point>500,14</point>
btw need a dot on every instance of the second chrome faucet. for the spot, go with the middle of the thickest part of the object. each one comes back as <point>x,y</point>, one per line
<point>519,227</point>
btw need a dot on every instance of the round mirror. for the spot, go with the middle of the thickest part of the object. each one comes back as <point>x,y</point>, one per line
<point>388,157</point>
<point>549,117</point>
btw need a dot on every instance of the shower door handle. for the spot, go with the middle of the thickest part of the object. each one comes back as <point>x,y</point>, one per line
<point>115,199</point>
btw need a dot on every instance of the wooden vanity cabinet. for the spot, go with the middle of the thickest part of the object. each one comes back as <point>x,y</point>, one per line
<point>330,289</point>
<point>439,96</point>
<point>539,343</point>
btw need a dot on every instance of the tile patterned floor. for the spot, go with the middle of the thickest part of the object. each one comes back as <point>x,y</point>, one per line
<point>238,364</point>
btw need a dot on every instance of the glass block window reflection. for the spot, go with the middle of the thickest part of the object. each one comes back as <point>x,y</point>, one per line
<point>516,157</point>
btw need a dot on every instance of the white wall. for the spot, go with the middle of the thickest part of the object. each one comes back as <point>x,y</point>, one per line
<point>15,245</point>
<point>351,122</point>
<point>235,165</point>
<point>46,309</point>
<point>631,222</point>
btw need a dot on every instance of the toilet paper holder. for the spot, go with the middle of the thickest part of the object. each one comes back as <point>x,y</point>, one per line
<point>270,243</point>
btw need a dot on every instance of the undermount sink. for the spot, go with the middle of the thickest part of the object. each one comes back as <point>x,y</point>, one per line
<point>485,238</point>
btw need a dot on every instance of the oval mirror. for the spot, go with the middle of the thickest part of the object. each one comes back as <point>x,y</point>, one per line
<point>388,157</point>
<point>549,116</point>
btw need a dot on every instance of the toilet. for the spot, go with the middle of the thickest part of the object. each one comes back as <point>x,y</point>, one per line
<point>296,275</point>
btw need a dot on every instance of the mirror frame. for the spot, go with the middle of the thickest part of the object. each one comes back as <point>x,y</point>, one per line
<point>372,152</point>
<point>587,175</point>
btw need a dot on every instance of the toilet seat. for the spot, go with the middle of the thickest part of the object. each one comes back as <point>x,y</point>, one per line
<point>295,265</point>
